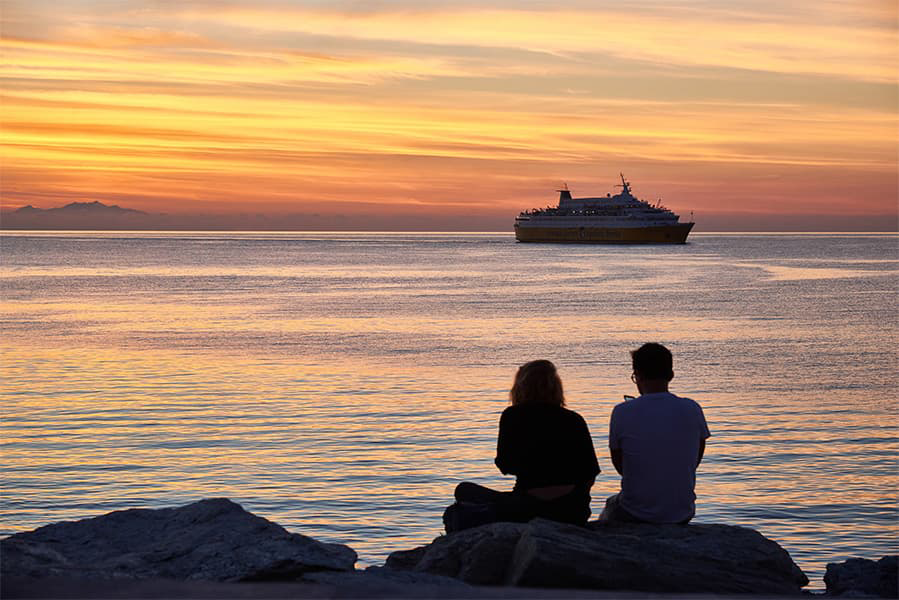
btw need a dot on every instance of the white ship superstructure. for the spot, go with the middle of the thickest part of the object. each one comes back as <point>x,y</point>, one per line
<point>621,218</point>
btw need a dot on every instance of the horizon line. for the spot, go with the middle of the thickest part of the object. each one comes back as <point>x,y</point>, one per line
<point>4,231</point>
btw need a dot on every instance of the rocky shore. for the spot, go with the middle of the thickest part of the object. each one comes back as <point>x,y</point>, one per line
<point>214,548</point>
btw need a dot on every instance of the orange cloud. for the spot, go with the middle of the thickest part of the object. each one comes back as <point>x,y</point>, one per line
<point>690,39</point>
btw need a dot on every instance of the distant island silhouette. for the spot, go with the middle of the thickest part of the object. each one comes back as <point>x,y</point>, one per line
<point>76,215</point>
<point>93,208</point>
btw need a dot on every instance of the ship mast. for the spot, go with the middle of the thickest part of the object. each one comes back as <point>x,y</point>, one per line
<point>625,186</point>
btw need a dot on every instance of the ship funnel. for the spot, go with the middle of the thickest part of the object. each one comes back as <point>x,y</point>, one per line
<point>564,193</point>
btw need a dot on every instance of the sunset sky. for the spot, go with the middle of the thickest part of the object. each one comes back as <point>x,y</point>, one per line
<point>454,115</point>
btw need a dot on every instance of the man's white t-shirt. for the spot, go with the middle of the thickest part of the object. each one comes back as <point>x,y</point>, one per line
<point>659,436</point>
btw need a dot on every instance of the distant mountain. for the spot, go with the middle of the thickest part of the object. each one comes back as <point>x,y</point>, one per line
<point>81,208</point>
<point>78,215</point>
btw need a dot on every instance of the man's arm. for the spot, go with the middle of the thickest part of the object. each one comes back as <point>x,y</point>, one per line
<point>617,462</point>
<point>703,434</point>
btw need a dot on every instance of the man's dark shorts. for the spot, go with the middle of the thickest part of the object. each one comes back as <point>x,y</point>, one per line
<point>615,513</point>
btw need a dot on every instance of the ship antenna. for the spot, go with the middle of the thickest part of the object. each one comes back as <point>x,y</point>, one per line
<point>625,186</point>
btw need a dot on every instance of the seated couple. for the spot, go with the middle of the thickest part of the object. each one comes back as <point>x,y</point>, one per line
<point>656,440</point>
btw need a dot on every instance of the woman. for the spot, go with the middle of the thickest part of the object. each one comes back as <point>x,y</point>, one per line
<point>549,450</point>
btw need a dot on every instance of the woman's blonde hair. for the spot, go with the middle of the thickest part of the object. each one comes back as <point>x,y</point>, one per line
<point>537,382</point>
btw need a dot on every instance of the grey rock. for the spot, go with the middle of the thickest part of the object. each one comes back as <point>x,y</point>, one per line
<point>863,577</point>
<point>478,556</point>
<point>651,558</point>
<point>407,560</point>
<point>213,540</point>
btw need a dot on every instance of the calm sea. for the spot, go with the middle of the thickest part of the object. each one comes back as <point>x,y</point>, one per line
<point>341,384</point>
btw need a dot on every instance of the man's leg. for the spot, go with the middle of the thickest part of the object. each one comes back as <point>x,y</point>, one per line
<point>615,513</point>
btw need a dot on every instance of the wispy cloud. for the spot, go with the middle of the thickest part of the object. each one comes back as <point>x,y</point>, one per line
<point>685,38</point>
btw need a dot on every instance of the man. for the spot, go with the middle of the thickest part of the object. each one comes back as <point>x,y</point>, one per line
<point>657,440</point>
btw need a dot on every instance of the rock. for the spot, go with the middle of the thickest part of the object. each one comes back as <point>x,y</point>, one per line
<point>213,540</point>
<point>651,558</point>
<point>406,560</point>
<point>864,577</point>
<point>478,556</point>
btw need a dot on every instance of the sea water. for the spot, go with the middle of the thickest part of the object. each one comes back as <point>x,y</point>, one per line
<point>341,384</point>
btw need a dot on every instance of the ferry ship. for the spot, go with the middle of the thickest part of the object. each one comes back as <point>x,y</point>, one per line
<point>618,219</point>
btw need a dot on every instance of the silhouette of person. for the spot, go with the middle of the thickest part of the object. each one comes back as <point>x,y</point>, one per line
<point>656,440</point>
<point>549,450</point>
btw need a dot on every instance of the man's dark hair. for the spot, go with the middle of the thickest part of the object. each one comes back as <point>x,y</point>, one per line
<point>653,361</point>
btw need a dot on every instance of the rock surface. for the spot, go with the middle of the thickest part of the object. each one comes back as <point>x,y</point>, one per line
<point>652,558</point>
<point>479,556</point>
<point>212,540</point>
<point>860,576</point>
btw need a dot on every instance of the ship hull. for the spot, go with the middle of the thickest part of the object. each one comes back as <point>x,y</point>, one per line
<point>662,234</point>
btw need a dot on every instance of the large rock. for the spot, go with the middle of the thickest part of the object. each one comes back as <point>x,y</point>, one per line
<point>652,558</point>
<point>863,577</point>
<point>479,556</point>
<point>214,540</point>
